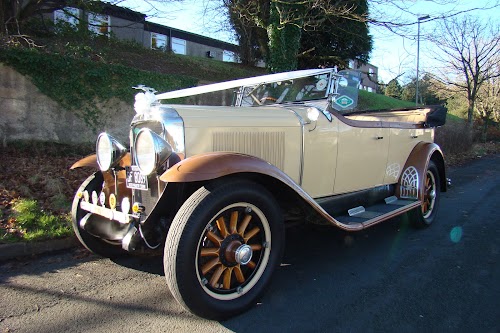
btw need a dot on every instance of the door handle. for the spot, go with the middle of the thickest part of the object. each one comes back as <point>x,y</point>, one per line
<point>379,137</point>
<point>414,136</point>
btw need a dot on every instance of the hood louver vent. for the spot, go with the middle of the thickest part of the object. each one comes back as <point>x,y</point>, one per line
<point>270,146</point>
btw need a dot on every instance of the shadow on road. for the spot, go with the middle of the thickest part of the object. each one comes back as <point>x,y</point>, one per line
<point>148,264</point>
<point>321,266</point>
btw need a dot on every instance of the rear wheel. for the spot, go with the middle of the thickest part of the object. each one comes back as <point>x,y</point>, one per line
<point>92,243</point>
<point>426,213</point>
<point>223,247</point>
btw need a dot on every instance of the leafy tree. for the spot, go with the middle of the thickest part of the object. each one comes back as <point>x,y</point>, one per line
<point>284,22</point>
<point>408,91</point>
<point>426,91</point>
<point>325,38</point>
<point>393,89</point>
<point>337,40</point>
<point>252,40</point>
<point>457,105</point>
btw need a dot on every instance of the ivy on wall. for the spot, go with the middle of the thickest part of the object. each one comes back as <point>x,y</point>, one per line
<point>78,84</point>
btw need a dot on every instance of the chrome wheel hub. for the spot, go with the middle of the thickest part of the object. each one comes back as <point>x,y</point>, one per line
<point>243,254</point>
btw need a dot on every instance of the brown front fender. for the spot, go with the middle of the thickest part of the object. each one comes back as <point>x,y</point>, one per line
<point>91,161</point>
<point>215,165</point>
<point>88,161</point>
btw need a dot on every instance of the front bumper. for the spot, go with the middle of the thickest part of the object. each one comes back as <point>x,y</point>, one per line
<point>111,214</point>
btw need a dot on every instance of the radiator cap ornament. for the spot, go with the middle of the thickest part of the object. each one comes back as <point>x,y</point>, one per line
<point>145,99</point>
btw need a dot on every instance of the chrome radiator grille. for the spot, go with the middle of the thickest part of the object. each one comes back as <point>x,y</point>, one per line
<point>147,198</point>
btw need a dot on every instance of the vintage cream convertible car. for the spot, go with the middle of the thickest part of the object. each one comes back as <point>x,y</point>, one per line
<point>212,187</point>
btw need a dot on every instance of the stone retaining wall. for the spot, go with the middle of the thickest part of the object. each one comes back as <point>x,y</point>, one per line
<point>27,114</point>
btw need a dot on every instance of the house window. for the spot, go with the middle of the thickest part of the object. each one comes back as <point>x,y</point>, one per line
<point>178,45</point>
<point>67,15</point>
<point>370,70</point>
<point>351,64</point>
<point>370,89</point>
<point>228,56</point>
<point>158,42</point>
<point>99,24</point>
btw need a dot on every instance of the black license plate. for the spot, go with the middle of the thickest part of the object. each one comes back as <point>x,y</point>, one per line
<point>135,179</point>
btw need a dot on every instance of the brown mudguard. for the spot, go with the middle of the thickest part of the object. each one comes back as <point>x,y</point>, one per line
<point>91,161</point>
<point>214,165</point>
<point>419,158</point>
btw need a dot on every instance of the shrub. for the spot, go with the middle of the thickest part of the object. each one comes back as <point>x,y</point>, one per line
<point>455,137</point>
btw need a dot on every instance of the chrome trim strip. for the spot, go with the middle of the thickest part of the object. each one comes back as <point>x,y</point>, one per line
<point>302,135</point>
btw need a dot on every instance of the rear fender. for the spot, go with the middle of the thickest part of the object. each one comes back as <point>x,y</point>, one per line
<point>411,181</point>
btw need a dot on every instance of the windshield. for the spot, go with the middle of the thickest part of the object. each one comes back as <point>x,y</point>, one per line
<point>287,91</point>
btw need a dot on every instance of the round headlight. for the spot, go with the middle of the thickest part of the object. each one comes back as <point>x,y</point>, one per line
<point>145,154</point>
<point>109,151</point>
<point>151,150</point>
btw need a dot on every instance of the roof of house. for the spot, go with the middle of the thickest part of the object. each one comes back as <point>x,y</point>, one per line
<point>169,31</point>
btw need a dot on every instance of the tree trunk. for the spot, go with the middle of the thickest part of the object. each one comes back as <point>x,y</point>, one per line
<point>484,136</point>
<point>470,113</point>
<point>284,44</point>
<point>4,16</point>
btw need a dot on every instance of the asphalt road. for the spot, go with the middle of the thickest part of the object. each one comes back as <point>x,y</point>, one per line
<point>390,278</point>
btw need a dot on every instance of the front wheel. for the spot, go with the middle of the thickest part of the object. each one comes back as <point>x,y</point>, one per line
<point>222,248</point>
<point>426,213</point>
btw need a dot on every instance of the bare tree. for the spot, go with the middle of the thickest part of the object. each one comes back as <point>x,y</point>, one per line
<point>488,103</point>
<point>470,52</point>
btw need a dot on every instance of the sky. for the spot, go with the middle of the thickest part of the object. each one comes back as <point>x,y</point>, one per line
<point>394,55</point>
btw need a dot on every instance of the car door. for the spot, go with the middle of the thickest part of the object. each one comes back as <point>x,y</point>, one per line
<point>319,155</point>
<point>363,147</point>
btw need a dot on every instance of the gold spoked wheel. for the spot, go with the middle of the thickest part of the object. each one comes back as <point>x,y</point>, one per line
<point>233,251</point>
<point>429,198</point>
<point>222,248</point>
<point>424,215</point>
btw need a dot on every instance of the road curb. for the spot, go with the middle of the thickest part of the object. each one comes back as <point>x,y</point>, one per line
<point>19,250</point>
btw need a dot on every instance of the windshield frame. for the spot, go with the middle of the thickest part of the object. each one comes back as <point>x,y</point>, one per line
<point>246,94</point>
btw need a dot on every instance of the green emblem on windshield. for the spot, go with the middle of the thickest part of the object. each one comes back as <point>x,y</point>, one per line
<point>344,101</point>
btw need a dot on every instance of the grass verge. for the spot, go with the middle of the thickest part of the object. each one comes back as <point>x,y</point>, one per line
<point>30,223</point>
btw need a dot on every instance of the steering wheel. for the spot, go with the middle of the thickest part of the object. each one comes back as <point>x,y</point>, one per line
<point>268,98</point>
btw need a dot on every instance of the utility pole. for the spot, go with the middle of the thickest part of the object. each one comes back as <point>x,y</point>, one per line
<point>418,53</point>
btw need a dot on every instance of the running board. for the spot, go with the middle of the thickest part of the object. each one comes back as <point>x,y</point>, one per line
<point>358,218</point>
